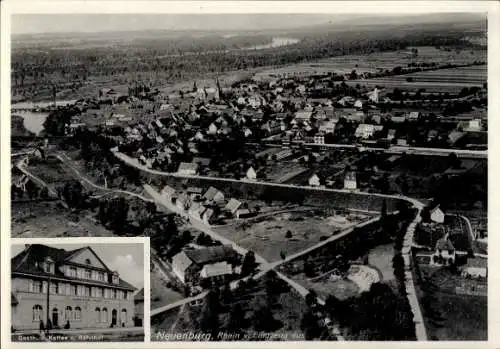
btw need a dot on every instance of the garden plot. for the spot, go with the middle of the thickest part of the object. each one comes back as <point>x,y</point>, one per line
<point>286,233</point>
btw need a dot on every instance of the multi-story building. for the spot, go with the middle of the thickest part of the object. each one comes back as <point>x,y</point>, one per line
<point>69,288</point>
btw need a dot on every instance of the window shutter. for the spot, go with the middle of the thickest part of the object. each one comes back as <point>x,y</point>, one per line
<point>31,286</point>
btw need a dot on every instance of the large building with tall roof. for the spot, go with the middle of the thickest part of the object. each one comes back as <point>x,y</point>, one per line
<point>67,288</point>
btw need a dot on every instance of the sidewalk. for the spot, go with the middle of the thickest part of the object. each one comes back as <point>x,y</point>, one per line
<point>82,331</point>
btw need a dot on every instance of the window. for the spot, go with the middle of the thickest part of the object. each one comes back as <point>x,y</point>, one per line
<point>37,312</point>
<point>62,288</point>
<point>68,313</point>
<point>87,291</point>
<point>114,294</point>
<point>101,276</point>
<point>68,289</point>
<point>78,313</point>
<point>125,294</point>
<point>73,290</point>
<point>36,286</point>
<point>87,261</point>
<point>53,288</point>
<point>104,315</point>
<point>123,316</point>
<point>72,272</point>
<point>88,274</point>
<point>99,292</point>
<point>97,314</point>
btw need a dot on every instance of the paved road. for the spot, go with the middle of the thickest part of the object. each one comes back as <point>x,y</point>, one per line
<point>324,242</point>
<point>265,265</point>
<point>461,153</point>
<point>418,319</point>
<point>20,165</point>
<point>469,227</point>
<point>133,162</point>
<point>67,161</point>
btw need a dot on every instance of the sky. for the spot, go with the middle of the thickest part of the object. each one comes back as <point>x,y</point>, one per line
<point>127,259</point>
<point>93,23</point>
<point>61,23</point>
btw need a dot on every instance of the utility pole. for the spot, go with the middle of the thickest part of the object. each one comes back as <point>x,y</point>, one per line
<point>48,312</point>
<point>54,94</point>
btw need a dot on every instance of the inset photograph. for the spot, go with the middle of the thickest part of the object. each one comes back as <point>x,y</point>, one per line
<point>69,292</point>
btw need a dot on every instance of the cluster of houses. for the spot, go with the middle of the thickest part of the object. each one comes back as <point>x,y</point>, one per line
<point>161,129</point>
<point>447,249</point>
<point>206,206</point>
<point>216,264</point>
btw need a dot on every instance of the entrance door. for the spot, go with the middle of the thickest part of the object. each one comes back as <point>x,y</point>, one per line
<point>114,314</point>
<point>55,317</point>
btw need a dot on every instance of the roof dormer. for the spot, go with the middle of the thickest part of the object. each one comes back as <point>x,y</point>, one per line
<point>48,265</point>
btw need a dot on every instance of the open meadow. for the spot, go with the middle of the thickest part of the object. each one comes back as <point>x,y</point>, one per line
<point>268,237</point>
<point>376,62</point>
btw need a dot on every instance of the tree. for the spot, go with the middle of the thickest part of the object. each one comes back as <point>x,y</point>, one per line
<point>236,322</point>
<point>309,269</point>
<point>263,319</point>
<point>309,325</point>
<point>311,298</point>
<point>226,295</point>
<point>73,194</point>
<point>209,317</point>
<point>249,264</point>
<point>118,212</point>
<point>282,255</point>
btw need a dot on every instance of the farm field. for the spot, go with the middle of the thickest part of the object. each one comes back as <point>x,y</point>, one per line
<point>429,86</point>
<point>443,80</point>
<point>51,171</point>
<point>374,62</point>
<point>267,237</point>
<point>282,172</point>
<point>48,219</point>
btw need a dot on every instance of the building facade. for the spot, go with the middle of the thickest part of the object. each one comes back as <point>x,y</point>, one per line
<point>68,288</point>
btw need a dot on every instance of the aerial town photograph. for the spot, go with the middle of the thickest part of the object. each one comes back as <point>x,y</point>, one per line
<point>300,177</point>
<point>75,292</point>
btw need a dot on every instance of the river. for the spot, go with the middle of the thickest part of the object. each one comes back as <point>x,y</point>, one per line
<point>33,121</point>
<point>35,105</point>
<point>276,42</point>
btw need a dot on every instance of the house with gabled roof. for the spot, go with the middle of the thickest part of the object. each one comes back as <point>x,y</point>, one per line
<point>168,192</point>
<point>232,208</point>
<point>314,181</point>
<point>188,168</point>
<point>251,174</point>
<point>214,263</point>
<point>213,195</point>
<point>436,215</point>
<point>68,281</point>
<point>207,215</point>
